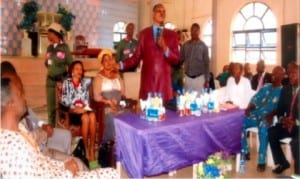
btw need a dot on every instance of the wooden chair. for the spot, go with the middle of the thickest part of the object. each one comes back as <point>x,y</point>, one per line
<point>63,120</point>
<point>80,43</point>
<point>99,108</point>
<point>62,114</point>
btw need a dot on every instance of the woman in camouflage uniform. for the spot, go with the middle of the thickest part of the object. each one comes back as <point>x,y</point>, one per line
<point>58,57</point>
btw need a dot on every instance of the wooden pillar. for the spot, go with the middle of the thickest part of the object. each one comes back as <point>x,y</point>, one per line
<point>213,64</point>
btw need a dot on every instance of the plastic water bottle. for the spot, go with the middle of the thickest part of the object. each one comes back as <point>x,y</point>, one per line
<point>210,105</point>
<point>178,99</point>
<point>243,163</point>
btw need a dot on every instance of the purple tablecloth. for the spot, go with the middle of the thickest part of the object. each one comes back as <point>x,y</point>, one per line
<point>150,148</point>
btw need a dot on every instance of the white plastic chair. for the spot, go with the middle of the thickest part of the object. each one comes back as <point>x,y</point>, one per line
<point>253,130</point>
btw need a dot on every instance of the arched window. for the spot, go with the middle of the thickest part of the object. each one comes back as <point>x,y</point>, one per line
<point>119,32</point>
<point>207,35</point>
<point>170,25</point>
<point>254,34</point>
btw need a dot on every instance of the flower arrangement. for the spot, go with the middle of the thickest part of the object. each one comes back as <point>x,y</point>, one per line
<point>29,9</point>
<point>67,17</point>
<point>216,166</point>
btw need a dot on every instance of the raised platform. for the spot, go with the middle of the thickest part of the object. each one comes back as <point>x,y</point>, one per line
<point>33,75</point>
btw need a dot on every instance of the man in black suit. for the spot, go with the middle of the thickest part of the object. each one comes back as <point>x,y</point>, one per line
<point>288,126</point>
<point>261,77</point>
<point>289,67</point>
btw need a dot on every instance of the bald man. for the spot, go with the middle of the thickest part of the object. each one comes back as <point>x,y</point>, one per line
<point>158,49</point>
<point>127,46</point>
<point>259,113</point>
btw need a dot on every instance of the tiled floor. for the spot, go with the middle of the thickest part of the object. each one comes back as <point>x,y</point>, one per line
<point>188,171</point>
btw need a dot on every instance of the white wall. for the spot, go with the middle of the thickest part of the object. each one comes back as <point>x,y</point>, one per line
<point>111,12</point>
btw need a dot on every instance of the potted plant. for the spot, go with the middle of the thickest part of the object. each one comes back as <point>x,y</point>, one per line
<point>30,9</point>
<point>67,18</point>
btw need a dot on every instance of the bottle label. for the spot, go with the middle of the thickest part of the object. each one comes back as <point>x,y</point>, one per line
<point>210,105</point>
<point>193,106</point>
<point>152,113</point>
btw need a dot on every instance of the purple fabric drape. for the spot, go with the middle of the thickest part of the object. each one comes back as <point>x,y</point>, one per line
<point>150,148</point>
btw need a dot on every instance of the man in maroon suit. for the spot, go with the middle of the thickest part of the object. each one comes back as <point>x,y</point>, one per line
<point>158,48</point>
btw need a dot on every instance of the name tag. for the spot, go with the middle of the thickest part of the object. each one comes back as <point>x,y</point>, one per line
<point>126,51</point>
<point>193,106</point>
<point>49,62</point>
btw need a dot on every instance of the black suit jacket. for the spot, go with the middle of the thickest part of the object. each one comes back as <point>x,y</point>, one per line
<point>254,81</point>
<point>285,101</point>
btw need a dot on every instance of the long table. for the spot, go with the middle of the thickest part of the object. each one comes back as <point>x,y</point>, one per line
<point>150,148</point>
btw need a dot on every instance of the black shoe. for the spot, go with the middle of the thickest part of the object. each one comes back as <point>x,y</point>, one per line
<point>261,167</point>
<point>105,154</point>
<point>280,168</point>
<point>247,156</point>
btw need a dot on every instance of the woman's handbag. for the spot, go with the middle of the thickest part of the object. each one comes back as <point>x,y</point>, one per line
<point>79,152</point>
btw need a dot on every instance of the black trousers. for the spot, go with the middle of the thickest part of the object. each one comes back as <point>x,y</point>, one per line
<point>276,133</point>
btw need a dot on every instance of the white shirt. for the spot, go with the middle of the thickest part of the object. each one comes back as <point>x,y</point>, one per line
<point>111,84</point>
<point>241,93</point>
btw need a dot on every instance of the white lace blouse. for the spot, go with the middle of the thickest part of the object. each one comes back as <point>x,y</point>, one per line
<point>21,158</point>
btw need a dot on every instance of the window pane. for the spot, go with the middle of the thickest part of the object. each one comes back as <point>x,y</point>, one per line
<point>269,57</point>
<point>117,37</point>
<point>269,39</point>
<point>123,36</point>
<point>247,11</point>
<point>253,40</point>
<point>259,9</point>
<point>207,40</point>
<point>238,56</point>
<point>269,20</point>
<point>253,23</point>
<point>254,34</point>
<point>239,40</point>
<point>208,28</point>
<point>170,25</point>
<point>119,27</point>
<point>252,56</point>
<point>116,27</point>
<point>238,23</point>
<point>122,26</point>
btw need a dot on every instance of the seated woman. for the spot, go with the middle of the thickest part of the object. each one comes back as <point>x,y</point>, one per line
<point>75,95</point>
<point>108,88</point>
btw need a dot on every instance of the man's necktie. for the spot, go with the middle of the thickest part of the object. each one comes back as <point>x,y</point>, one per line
<point>158,33</point>
<point>260,82</point>
<point>294,97</point>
